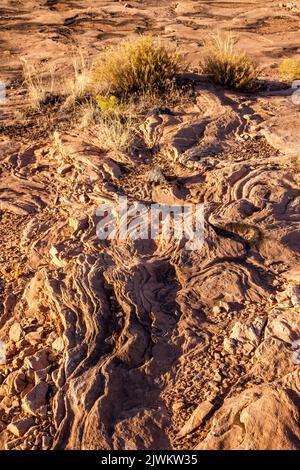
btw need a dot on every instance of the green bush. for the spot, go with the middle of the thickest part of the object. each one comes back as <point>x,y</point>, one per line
<point>107,103</point>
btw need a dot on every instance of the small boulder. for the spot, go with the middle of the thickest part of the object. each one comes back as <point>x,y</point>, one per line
<point>38,361</point>
<point>21,426</point>
<point>36,400</point>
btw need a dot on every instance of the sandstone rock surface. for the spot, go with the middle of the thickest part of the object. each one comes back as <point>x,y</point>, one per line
<point>150,343</point>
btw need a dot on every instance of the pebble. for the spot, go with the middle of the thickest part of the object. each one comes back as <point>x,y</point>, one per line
<point>15,332</point>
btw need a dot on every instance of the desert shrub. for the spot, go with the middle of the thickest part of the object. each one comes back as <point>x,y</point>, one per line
<point>290,67</point>
<point>107,104</point>
<point>136,66</point>
<point>227,65</point>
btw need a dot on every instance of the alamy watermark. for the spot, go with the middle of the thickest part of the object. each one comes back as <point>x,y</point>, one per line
<point>2,92</point>
<point>138,221</point>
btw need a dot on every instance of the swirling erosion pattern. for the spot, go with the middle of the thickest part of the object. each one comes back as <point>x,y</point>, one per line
<point>143,344</point>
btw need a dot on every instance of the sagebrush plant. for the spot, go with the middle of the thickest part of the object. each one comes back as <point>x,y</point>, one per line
<point>227,65</point>
<point>290,67</point>
<point>136,66</point>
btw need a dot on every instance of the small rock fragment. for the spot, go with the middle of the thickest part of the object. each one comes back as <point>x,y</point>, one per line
<point>15,332</point>
<point>248,335</point>
<point>34,402</point>
<point>54,254</point>
<point>58,344</point>
<point>38,361</point>
<point>225,306</point>
<point>12,444</point>
<point>78,223</point>
<point>155,175</point>
<point>34,337</point>
<point>112,169</point>
<point>20,382</point>
<point>294,293</point>
<point>229,345</point>
<point>179,405</point>
<point>197,418</point>
<point>46,442</point>
<point>64,169</point>
<point>216,310</point>
<point>21,426</point>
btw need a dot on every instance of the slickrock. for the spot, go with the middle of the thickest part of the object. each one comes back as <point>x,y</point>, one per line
<point>260,418</point>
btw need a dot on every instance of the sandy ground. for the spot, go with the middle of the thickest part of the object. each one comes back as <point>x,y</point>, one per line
<point>144,344</point>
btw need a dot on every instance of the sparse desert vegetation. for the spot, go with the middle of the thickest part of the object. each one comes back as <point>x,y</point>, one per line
<point>138,66</point>
<point>47,86</point>
<point>39,88</point>
<point>112,132</point>
<point>227,65</point>
<point>290,68</point>
<point>110,98</point>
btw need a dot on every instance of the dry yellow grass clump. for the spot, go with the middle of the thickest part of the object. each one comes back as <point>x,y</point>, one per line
<point>112,133</point>
<point>139,66</point>
<point>38,87</point>
<point>227,65</point>
<point>43,87</point>
<point>290,67</point>
<point>112,130</point>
